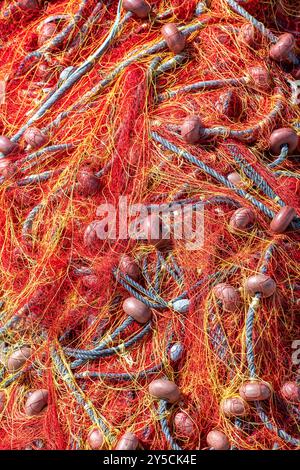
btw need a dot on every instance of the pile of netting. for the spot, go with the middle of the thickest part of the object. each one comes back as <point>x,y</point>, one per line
<point>149,205</point>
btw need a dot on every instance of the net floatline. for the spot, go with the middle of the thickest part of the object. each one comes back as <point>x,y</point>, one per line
<point>111,98</point>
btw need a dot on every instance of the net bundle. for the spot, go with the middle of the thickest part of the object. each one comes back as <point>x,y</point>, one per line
<point>149,207</point>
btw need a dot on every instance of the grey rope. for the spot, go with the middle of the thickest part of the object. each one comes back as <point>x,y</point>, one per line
<point>74,77</point>
<point>250,319</point>
<point>39,178</point>
<point>52,148</point>
<point>245,134</point>
<point>57,40</point>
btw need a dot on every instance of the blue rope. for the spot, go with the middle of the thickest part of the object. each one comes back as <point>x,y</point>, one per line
<point>39,153</point>
<point>57,40</point>
<point>111,351</point>
<point>170,64</point>
<point>250,319</point>
<point>172,273</point>
<point>93,18</point>
<point>114,377</point>
<point>27,226</point>
<point>213,173</point>
<point>146,275</point>
<point>249,333</point>
<point>177,268</point>
<point>39,178</point>
<point>281,158</point>
<point>217,335</point>
<point>168,206</point>
<point>140,297</point>
<point>217,275</point>
<point>74,77</point>
<point>157,275</point>
<point>295,411</point>
<point>246,134</point>
<point>9,324</point>
<point>280,432</point>
<point>219,341</point>
<point>7,382</point>
<point>145,272</point>
<point>257,24</point>
<point>260,26</point>
<point>287,173</point>
<point>66,375</point>
<point>153,65</point>
<point>205,85</point>
<point>126,323</point>
<point>252,174</point>
<point>163,410</point>
<point>251,357</point>
<point>119,275</point>
<point>102,84</point>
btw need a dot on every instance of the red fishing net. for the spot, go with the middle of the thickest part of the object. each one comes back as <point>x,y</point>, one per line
<point>123,117</point>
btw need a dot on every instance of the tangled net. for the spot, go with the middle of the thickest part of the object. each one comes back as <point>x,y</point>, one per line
<point>102,101</point>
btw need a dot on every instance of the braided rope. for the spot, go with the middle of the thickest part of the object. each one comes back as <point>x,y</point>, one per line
<point>74,77</point>
<point>163,410</point>
<point>204,86</point>
<point>86,404</point>
<point>103,83</point>
<point>111,351</point>
<point>211,172</point>
<point>251,357</point>
<point>260,26</point>
<point>39,153</point>
<point>126,323</point>
<point>281,158</point>
<point>114,377</point>
<point>252,174</point>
